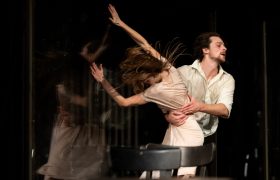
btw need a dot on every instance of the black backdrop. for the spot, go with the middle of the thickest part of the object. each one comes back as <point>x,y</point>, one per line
<point>253,128</point>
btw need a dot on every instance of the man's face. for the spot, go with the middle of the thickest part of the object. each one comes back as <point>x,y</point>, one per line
<point>216,50</point>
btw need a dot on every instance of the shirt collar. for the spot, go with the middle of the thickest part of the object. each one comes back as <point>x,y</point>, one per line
<point>196,65</point>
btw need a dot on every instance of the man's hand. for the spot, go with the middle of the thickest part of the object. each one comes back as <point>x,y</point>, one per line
<point>179,117</point>
<point>192,107</point>
<point>176,118</point>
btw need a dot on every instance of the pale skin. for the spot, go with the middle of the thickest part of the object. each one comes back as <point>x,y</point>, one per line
<point>139,39</point>
<point>97,71</point>
<point>213,57</point>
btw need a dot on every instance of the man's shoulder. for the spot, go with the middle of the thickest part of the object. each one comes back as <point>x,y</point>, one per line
<point>228,75</point>
<point>189,67</point>
<point>184,67</point>
<point>187,70</point>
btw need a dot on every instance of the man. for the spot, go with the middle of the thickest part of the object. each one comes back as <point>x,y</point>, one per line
<point>210,87</point>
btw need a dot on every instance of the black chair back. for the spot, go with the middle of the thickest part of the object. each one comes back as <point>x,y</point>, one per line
<point>191,156</point>
<point>141,159</point>
<point>160,157</point>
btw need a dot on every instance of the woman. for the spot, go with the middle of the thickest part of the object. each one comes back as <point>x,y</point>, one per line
<point>154,79</point>
<point>78,147</point>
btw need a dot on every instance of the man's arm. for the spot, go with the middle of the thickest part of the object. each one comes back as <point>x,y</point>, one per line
<point>178,117</point>
<point>214,109</point>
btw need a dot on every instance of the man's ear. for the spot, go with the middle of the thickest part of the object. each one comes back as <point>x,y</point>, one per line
<point>205,50</point>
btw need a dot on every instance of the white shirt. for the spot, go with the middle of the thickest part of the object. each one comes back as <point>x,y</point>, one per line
<point>219,89</point>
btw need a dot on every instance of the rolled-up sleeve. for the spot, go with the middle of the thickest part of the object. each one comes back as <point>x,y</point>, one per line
<point>227,93</point>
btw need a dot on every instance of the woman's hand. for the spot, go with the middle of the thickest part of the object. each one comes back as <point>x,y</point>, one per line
<point>115,19</point>
<point>97,72</point>
<point>85,54</point>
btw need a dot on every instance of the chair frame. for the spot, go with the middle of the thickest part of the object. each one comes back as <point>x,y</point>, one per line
<point>199,156</point>
<point>142,159</point>
<point>161,157</point>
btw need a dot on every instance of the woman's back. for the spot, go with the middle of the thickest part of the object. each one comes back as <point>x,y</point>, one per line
<point>168,95</point>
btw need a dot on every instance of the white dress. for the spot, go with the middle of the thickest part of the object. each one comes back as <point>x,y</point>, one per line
<point>78,149</point>
<point>172,95</point>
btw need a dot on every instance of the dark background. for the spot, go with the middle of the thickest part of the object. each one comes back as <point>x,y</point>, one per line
<point>250,31</point>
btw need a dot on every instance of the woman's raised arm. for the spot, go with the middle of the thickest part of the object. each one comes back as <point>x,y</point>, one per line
<point>138,38</point>
<point>93,56</point>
